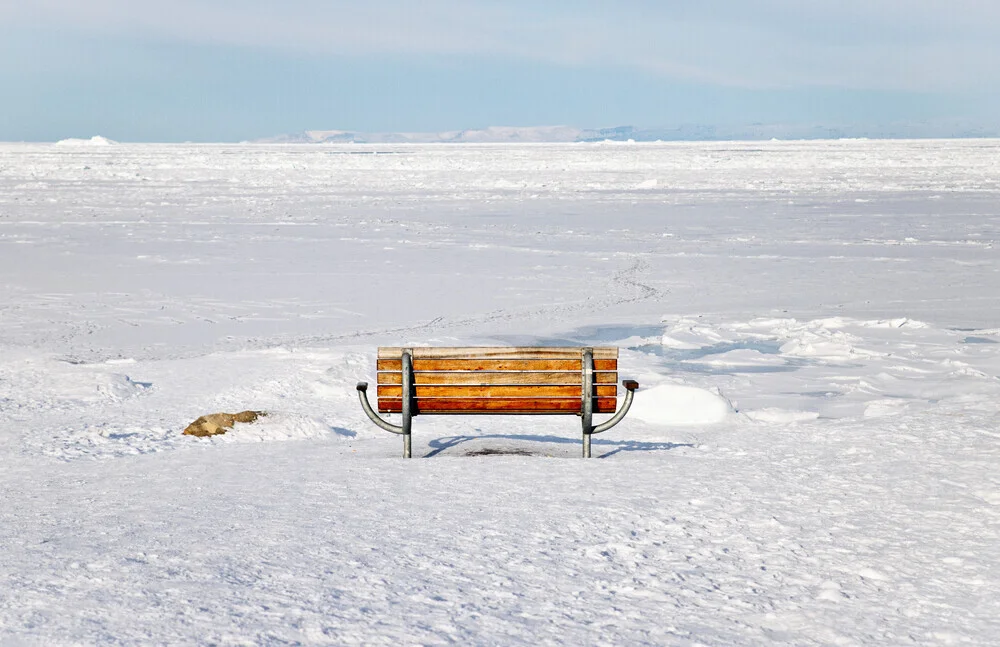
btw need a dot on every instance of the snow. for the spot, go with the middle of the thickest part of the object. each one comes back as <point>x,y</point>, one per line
<point>676,404</point>
<point>96,140</point>
<point>811,457</point>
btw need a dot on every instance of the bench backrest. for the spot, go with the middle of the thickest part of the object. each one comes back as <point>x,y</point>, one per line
<point>498,380</point>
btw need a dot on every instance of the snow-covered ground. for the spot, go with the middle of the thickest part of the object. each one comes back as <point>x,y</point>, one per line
<point>812,457</point>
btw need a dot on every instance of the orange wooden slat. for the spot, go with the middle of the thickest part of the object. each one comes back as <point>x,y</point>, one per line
<point>496,365</point>
<point>473,406</point>
<point>538,391</point>
<point>499,352</point>
<point>501,377</point>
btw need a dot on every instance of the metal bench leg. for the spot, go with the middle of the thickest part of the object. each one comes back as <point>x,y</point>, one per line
<point>407,402</point>
<point>587,408</point>
<point>408,409</point>
<point>589,429</point>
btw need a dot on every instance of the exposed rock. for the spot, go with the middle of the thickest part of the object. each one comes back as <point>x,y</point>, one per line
<point>218,423</point>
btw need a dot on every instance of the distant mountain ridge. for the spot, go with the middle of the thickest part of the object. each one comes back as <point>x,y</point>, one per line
<point>535,134</point>
<point>688,132</point>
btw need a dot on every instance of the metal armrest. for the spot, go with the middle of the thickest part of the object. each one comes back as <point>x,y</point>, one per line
<point>363,396</point>
<point>631,386</point>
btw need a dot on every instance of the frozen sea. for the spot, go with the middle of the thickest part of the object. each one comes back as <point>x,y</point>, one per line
<point>811,459</point>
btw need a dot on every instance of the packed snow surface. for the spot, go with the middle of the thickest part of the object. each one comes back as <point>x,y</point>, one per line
<point>811,458</point>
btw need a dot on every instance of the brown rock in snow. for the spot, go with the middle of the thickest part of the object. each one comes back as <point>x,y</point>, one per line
<point>218,423</point>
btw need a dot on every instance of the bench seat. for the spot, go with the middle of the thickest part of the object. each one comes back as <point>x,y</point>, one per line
<point>497,380</point>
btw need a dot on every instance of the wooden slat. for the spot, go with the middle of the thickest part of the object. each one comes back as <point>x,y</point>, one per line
<point>498,405</point>
<point>539,391</point>
<point>496,365</point>
<point>499,352</point>
<point>504,377</point>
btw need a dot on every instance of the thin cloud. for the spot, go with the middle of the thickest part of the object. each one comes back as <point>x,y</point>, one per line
<point>890,44</point>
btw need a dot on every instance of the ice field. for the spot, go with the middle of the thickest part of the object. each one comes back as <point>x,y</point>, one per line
<point>813,457</point>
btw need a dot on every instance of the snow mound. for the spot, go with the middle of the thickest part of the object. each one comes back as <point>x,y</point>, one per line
<point>671,342</point>
<point>674,404</point>
<point>118,387</point>
<point>824,339</point>
<point>780,416</point>
<point>884,408</point>
<point>96,140</point>
<point>277,427</point>
<point>902,322</point>
<point>741,357</point>
<point>686,333</point>
<point>834,348</point>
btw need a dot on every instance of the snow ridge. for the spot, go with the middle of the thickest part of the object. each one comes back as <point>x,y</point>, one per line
<point>96,141</point>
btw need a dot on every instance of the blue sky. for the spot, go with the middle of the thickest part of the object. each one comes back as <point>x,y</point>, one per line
<point>227,70</point>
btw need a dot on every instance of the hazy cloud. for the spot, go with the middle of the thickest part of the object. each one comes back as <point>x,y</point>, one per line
<point>885,44</point>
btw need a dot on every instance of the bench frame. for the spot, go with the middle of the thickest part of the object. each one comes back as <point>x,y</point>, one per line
<point>586,413</point>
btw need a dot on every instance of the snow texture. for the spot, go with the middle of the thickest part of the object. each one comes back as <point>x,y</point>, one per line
<point>96,140</point>
<point>811,460</point>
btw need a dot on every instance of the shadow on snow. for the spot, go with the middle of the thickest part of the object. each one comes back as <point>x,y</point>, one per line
<point>440,445</point>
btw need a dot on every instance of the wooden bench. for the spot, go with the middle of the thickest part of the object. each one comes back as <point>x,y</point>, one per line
<point>518,381</point>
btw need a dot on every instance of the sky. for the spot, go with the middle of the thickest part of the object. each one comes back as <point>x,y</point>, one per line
<point>231,70</point>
